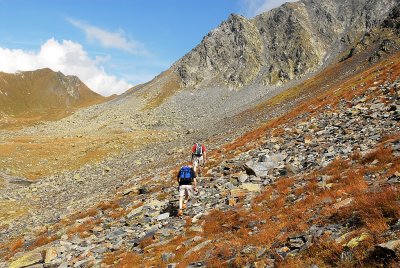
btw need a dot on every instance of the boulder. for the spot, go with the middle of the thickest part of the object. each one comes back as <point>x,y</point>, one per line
<point>163,216</point>
<point>386,252</point>
<point>238,192</point>
<point>243,177</point>
<point>135,212</point>
<point>27,259</point>
<point>51,254</point>
<point>260,169</point>
<point>343,203</point>
<point>251,187</point>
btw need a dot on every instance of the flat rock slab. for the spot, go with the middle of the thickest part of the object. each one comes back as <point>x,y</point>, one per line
<point>163,216</point>
<point>238,192</point>
<point>28,259</point>
<point>197,248</point>
<point>251,187</point>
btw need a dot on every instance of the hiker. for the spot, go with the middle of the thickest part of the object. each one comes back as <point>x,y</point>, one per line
<point>199,156</point>
<point>186,176</point>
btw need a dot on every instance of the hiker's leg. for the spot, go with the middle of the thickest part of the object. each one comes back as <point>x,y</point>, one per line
<point>188,192</point>
<point>195,163</point>
<point>181,194</point>
<point>200,163</point>
<point>184,206</point>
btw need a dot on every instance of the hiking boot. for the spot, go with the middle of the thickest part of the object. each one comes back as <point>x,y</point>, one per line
<point>180,212</point>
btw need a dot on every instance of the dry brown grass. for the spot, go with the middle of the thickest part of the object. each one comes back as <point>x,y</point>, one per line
<point>382,154</point>
<point>11,248</point>
<point>324,253</point>
<point>128,260</point>
<point>168,89</point>
<point>83,214</point>
<point>111,258</point>
<point>283,185</point>
<point>116,214</point>
<point>83,229</point>
<point>108,205</point>
<point>16,244</point>
<point>42,240</point>
<point>34,157</point>
<point>375,209</point>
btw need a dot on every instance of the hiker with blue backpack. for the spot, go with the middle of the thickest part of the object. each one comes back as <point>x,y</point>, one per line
<point>186,177</point>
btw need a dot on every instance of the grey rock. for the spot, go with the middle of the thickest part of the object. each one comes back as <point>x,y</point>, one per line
<point>388,251</point>
<point>197,247</point>
<point>163,216</point>
<point>167,256</point>
<point>261,169</point>
<point>30,258</point>
<point>265,49</point>
<point>243,177</point>
<point>247,250</point>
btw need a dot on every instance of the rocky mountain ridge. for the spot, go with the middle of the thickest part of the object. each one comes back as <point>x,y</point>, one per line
<point>283,44</point>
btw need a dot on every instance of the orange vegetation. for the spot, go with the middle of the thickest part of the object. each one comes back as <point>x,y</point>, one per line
<point>12,247</point>
<point>83,228</point>
<point>42,240</point>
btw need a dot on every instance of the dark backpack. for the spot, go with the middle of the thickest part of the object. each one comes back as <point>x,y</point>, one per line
<point>199,150</point>
<point>185,175</point>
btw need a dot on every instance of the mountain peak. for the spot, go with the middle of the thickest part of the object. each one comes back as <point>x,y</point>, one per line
<point>42,92</point>
<point>279,45</point>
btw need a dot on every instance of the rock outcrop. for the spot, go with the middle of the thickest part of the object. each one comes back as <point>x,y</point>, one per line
<point>283,44</point>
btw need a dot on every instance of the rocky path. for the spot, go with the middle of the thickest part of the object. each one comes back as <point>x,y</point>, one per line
<point>143,219</point>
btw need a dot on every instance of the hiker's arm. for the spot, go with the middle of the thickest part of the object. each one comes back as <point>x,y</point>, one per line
<point>193,150</point>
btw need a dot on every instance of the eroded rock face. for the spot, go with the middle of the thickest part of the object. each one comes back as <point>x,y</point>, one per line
<point>230,52</point>
<point>282,44</point>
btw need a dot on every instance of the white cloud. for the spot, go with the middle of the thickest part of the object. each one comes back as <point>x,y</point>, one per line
<point>111,39</point>
<point>67,57</point>
<point>256,7</point>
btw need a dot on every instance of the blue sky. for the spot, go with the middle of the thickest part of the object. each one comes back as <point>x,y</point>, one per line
<point>110,45</point>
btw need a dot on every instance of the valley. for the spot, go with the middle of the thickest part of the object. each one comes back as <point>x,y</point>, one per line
<point>303,162</point>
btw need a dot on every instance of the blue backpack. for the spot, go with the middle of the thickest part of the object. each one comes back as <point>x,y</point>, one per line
<point>185,176</point>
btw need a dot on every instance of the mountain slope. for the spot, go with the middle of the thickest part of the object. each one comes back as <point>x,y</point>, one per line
<point>315,187</point>
<point>315,183</point>
<point>280,45</point>
<point>43,93</point>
